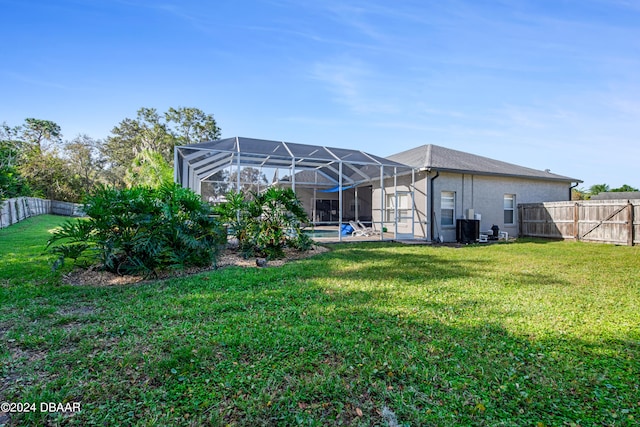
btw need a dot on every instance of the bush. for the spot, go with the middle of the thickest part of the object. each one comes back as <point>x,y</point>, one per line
<point>265,223</point>
<point>142,230</point>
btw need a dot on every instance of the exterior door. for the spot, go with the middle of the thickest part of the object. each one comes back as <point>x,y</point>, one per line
<point>404,215</point>
<point>326,210</point>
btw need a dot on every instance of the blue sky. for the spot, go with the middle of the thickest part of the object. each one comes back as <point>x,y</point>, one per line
<point>544,84</point>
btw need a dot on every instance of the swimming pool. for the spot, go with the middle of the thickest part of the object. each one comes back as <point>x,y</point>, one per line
<point>319,234</point>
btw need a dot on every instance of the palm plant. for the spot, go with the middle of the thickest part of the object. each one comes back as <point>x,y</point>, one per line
<point>141,230</point>
<point>267,222</point>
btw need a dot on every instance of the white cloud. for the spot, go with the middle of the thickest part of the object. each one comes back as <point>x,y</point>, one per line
<point>353,84</point>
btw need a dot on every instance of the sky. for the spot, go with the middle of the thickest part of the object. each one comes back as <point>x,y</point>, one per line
<point>547,84</point>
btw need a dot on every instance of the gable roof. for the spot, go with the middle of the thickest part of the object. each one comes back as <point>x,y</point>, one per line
<point>437,158</point>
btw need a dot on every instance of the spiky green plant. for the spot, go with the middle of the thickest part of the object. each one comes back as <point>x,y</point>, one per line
<point>267,222</point>
<point>141,230</point>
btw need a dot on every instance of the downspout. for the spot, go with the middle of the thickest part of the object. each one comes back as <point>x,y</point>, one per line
<point>413,203</point>
<point>571,188</point>
<point>431,201</point>
<point>427,220</point>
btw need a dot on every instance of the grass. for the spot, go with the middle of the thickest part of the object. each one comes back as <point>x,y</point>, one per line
<point>534,333</point>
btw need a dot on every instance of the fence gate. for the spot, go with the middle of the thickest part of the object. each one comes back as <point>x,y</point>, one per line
<point>604,221</point>
<point>607,221</point>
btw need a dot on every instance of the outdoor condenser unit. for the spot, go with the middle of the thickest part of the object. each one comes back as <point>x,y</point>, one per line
<point>467,230</point>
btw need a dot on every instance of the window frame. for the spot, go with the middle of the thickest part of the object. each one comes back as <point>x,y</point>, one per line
<point>448,198</point>
<point>509,209</point>
<point>403,209</point>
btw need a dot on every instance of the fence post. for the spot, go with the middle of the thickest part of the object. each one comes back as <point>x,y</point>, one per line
<point>630,220</point>
<point>576,221</point>
<point>520,221</point>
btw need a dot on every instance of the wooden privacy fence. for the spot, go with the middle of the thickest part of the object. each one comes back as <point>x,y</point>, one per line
<point>19,208</point>
<point>606,221</point>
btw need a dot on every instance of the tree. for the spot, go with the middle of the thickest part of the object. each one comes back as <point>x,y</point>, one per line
<point>37,132</point>
<point>215,187</point>
<point>251,180</point>
<point>11,182</point>
<point>598,188</point>
<point>192,125</point>
<point>85,162</point>
<point>32,163</point>
<point>50,177</point>
<point>9,145</point>
<point>132,136</point>
<point>35,161</point>
<point>149,169</point>
<point>624,188</point>
<point>579,194</point>
<point>153,131</point>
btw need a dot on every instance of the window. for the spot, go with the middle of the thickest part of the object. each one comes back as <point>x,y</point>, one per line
<point>509,208</point>
<point>404,206</point>
<point>326,210</point>
<point>447,207</point>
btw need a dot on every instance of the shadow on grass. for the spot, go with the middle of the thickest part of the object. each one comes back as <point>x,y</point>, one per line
<point>292,354</point>
<point>330,340</point>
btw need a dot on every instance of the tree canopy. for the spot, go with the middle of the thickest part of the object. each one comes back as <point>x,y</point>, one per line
<point>150,169</point>
<point>157,132</point>
<point>36,161</point>
<point>624,188</point>
<point>582,194</point>
<point>36,133</point>
<point>30,163</point>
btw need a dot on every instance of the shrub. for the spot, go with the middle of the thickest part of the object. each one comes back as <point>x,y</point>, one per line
<point>141,230</point>
<point>265,223</point>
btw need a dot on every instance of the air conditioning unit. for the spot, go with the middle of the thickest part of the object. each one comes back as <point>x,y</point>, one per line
<point>467,230</point>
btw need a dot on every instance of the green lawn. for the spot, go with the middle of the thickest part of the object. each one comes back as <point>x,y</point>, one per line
<point>533,333</point>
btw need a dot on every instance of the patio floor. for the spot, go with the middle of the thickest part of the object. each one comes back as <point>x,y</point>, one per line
<point>330,235</point>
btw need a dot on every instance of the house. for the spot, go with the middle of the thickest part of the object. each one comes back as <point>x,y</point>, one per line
<point>617,195</point>
<point>416,194</point>
<point>449,185</point>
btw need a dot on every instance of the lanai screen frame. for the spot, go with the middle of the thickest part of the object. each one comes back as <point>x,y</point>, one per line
<point>194,163</point>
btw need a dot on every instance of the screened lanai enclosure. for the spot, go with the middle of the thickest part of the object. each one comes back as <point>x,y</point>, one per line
<point>335,185</point>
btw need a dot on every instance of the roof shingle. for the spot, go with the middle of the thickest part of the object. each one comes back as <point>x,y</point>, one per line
<point>435,157</point>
